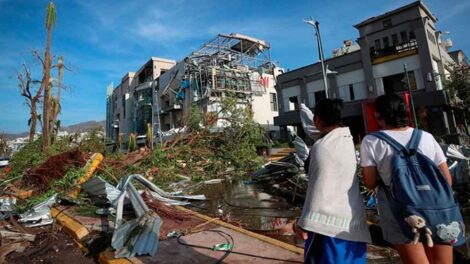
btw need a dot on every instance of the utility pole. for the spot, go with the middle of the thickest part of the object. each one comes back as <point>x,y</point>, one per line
<point>412,105</point>
<point>316,25</point>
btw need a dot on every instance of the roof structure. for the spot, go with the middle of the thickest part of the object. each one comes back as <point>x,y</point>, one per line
<point>398,10</point>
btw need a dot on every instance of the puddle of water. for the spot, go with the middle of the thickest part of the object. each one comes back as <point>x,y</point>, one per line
<point>246,204</point>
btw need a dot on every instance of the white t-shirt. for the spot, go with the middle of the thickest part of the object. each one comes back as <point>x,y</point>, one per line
<point>378,153</point>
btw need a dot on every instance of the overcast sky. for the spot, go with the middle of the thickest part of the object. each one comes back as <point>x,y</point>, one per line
<point>102,40</point>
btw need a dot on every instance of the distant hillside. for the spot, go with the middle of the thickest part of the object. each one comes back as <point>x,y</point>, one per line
<point>85,126</point>
<point>13,136</point>
<point>80,127</point>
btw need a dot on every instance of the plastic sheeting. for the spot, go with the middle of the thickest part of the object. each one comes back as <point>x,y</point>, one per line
<point>301,149</point>
<point>459,164</point>
<point>306,117</point>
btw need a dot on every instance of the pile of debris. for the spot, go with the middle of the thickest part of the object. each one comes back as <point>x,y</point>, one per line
<point>142,213</point>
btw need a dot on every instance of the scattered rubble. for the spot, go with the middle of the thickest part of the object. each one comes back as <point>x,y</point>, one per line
<point>132,201</point>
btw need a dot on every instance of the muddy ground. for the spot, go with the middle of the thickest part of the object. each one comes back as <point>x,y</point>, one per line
<point>51,246</point>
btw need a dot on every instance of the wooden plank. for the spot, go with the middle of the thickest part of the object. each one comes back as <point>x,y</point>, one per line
<point>75,228</point>
<point>244,231</point>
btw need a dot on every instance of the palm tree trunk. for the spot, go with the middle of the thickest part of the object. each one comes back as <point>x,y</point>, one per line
<point>47,92</point>
<point>56,102</point>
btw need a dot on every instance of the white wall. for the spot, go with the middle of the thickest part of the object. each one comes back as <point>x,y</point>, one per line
<point>261,105</point>
<point>357,79</point>
<point>312,87</point>
<point>396,66</point>
<point>437,77</point>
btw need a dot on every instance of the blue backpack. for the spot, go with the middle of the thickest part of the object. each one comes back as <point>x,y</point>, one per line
<point>419,190</point>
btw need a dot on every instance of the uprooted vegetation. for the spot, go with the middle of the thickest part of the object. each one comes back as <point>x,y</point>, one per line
<point>198,153</point>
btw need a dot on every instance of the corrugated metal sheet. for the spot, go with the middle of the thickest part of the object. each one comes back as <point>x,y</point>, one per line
<point>98,187</point>
<point>156,189</point>
<point>40,214</point>
<point>138,236</point>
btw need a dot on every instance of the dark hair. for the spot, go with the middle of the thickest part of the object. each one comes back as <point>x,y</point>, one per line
<point>329,111</point>
<point>392,109</point>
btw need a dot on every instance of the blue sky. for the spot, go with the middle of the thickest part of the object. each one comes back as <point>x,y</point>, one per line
<point>102,40</point>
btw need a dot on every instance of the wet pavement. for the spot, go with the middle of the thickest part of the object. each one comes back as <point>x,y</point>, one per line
<point>249,206</point>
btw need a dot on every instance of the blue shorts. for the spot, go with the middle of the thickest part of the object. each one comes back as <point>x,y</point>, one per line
<point>320,249</point>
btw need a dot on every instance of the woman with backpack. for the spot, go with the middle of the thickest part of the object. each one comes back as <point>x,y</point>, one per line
<point>392,162</point>
<point>333,219</point>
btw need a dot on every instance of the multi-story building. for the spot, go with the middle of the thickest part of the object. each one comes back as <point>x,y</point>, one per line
<point>162,92</point>
<point>229,65</point>
<point>357,73</point>
<point>129,106</point>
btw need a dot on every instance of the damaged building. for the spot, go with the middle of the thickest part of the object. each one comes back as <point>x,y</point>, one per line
<point>163,91</point>
<point>359,72</point>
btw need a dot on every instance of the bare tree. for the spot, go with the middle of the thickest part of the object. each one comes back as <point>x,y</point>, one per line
<point>5,150</point>
<point>55,106</point>
<point>32,99</point>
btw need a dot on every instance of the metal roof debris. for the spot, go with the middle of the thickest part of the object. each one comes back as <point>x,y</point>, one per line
<point>7,207</point>
<point>140,235</point>
<point>40,214</point>
<point>98,187</point>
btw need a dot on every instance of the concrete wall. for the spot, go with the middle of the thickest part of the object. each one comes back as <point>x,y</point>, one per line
<point>288,93</point>
<point>261,105</point>
<point>355,78</point>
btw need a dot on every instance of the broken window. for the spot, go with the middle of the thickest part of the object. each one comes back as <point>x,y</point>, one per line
<point>293,103</point>
<point>320,95</point>
<point>351,92</point>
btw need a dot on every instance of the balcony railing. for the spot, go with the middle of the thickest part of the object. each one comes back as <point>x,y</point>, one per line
<point>393,52</point>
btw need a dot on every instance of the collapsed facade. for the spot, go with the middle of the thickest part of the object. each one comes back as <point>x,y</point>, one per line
<point>163,92</point>
<point>358,73</point>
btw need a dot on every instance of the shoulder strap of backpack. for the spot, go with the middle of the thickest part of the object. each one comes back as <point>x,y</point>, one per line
<point>412,145</point>
<point>392,142</point>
